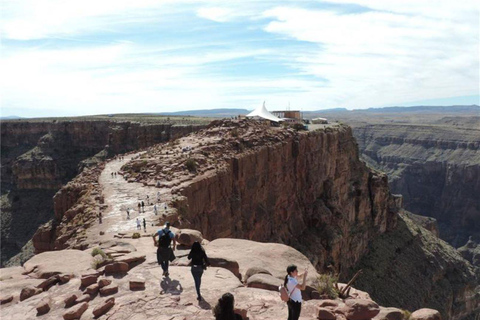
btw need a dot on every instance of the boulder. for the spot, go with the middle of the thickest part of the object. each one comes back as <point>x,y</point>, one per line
<point>116,267</point>
<point>264,281</point>
<point>104,282</point>
<point>88,280</point>
<point>325,314</point>
<point>64,278</point>
<point>83,298</point>
<point>226,263</point>
<point>361,309</point>
<point>75,312</point>
<point>187,237</point>
<point>108,290</point>
<point>47,284</point>
<point>255,270</point>
<point>70,300</point>
<point>103,307</point>
<point>132,258</point>
<point>28,292</point>
<point>42,307</point>
<point>272,257</point>
<point>6,299</point>
<point>426,314</point>
<point>390,314</point>
<point>137,284</point>
<point>47,264</point>
<point>92,289</point>
<point>328,303</point>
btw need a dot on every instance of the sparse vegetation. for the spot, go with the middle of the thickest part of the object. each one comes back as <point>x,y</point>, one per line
<point>191,165</point>
<point>406,314</point>
<point>99,251</point>
<point>135,235</point>
<point>326,285</point>
<point>234,133</point>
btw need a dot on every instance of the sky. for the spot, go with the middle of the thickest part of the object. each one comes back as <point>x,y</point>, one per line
<point>64,58</point>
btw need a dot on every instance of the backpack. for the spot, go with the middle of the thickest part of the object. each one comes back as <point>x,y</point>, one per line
<point>284,293</point>
<point>165,239</point>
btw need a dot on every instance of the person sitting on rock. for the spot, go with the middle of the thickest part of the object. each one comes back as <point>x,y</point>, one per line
<point>224,308</point>
<point>294,291</point>
<point>199,263</point>
<point>164,251</point>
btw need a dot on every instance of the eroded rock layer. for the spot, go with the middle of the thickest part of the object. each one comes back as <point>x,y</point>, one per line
<point>38,157</point>
<point>436,169</point>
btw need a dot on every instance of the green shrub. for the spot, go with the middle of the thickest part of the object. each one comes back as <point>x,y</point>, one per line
<point>326,285</point>
<point>136,235</point>
<point>99,251</point>
<point>234,132</point>
<point>406,314</point>
<point>191,165</point>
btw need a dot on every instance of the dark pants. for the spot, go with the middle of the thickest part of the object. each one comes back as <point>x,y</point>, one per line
<point>294,309</point>
<point>163,255</point>
<point>197,272</point>
<point>164,265</point>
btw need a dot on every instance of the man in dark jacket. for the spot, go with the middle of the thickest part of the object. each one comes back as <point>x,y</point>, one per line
<point>165,251</point>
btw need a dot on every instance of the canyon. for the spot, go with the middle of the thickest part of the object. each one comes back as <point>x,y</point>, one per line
<point>39,156</point>
<point>319,198</point>
<point>236,179</point>
<point>432,159</point>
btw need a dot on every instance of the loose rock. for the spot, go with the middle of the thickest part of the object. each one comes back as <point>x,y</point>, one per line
<point>28,292</point>
<point>116,267</point>
<point>103,308</point>
<point>137,284</point>
<point>42,308</point>
<point>70,301</point>
<point>426,314</point>
<point>108,290</point>
<point>6,299</point>
<point>76,312</point>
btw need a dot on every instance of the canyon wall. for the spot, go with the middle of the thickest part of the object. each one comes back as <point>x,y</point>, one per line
<point>38,157</point>
<point>435,167</point>
<point>309,190</point>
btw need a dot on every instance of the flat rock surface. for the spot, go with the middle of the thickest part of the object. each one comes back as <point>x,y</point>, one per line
<point>272,257</point>
<point>46,264</point>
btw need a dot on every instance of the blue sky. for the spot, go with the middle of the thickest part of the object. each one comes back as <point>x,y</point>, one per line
<point>62,58</point>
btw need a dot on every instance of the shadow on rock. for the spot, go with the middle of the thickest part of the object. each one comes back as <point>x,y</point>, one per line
<point>204,305</point>
<point>173,287</point>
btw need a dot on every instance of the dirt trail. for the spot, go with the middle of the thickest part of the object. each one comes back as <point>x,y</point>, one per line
<point>121,195</point>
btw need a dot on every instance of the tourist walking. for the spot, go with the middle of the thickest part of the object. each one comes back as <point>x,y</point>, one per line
<point>158,196</point>
<point>139,206</point>
<point>199,263</point>
<point>165,251</point>
<point>148,200</point>
<point>143,206</point>
<point>155,209</point>
<point>224,308</point>
<point>144,225</point>
<point>128,213</point>
<point>139,227</point>
<point>294,291</point>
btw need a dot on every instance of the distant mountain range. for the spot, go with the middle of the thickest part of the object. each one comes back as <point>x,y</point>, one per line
<point>225,113</point>
<point>10,118</point>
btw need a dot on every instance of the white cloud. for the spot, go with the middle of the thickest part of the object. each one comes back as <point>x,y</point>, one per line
<point>385,57</point>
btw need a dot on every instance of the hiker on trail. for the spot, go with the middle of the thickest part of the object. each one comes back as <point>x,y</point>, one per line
<point>224,308</point>
<point>165,207</point>
<point>139,227</point>
<point>164,251</point>
<point>199,263</point>
<point>112,174</point>
<point>148,200</point>
<point>128,213</point>
<point>139,206</point>
<point>294,291</point>
<point>158,196</point>
<point>115,174</point>
<point>143,206</point>
<point>155,209</point>
<point>100,217</point>
<point>144,225</point>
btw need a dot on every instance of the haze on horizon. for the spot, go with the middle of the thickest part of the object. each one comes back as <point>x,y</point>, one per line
<point>80,58</point>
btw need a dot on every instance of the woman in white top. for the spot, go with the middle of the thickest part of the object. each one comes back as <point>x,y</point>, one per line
<point>294,291</point>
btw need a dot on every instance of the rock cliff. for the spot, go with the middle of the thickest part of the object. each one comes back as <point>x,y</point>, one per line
<point>39,156</point>
<point>435,167</point>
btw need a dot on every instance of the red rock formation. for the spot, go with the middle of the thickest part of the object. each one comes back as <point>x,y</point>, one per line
<point>308,190</point>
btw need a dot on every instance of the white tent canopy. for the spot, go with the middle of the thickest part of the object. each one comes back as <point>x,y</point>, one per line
<point>262,112</point>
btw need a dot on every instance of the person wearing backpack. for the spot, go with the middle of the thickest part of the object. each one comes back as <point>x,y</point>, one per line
<point>165,251</point>
<point>294,291</point>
